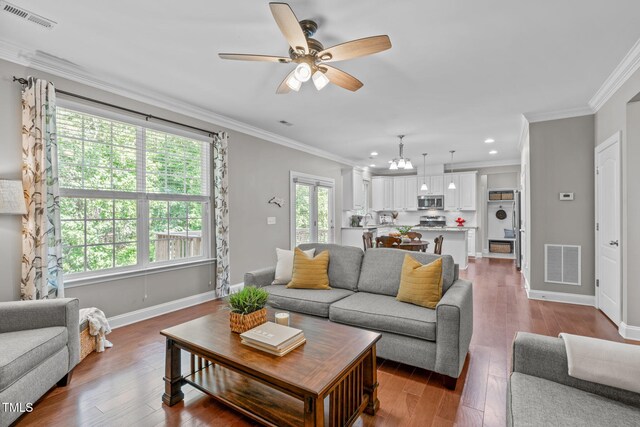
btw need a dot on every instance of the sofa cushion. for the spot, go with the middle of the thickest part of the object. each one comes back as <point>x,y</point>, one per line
<point>385,313</point>
<point>307,301</point>
<point>344,263</point>
<point>22,351</point>
<point>310,272</point>
<point>535,401</point>
<point>381,269</point>
<point>420,284</point>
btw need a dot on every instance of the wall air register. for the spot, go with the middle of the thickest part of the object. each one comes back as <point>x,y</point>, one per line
<point>562,264</point>
<point>27,15</point>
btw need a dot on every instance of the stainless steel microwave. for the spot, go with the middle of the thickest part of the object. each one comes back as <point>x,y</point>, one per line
<point>431,202</point>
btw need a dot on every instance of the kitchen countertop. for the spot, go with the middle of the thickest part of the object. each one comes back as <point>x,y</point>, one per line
<point>448,228</point>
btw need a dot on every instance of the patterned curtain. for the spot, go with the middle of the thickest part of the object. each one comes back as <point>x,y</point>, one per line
<point>221,211</point>
<point>41,243</point>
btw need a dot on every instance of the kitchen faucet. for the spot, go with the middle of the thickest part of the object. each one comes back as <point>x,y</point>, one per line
<point>364,219</point>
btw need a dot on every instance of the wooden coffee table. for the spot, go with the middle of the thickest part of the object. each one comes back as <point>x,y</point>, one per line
<point>330,380</point>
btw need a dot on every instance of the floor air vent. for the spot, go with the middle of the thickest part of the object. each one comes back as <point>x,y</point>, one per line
<point>562,264</point>
<point>25,14</point>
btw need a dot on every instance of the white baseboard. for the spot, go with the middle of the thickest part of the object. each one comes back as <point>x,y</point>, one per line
<point>629,332</point>
<point>479,255</point>
<point>157,310</point>
<point>561,297</point>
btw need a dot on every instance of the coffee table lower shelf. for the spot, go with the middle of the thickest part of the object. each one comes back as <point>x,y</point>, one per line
<point>257,401</point>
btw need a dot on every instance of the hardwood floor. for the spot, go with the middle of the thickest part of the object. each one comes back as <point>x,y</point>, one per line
<point>123,386</point>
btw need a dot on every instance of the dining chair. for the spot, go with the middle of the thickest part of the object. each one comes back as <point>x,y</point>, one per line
<point>388,242</point>
<point>437,249</point>
<point>414,235</point>
<point>367,240</point>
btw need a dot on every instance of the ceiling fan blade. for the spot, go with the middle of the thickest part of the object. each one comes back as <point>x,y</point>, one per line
<point>355,48</point>
<point>284,88</point>
<point>340,78</point>
<point>249,57</point>
<point>289,26</point>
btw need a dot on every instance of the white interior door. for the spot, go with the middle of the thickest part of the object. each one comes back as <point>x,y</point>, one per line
<point>608,207</point>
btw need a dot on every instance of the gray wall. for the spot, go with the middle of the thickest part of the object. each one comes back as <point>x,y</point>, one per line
<point>561,160</point>
<point>258,170</point>
<point>618,115</point>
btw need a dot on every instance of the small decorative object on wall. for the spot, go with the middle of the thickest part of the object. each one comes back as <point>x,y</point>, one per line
<point>460,221</point>
<point>277,201</point>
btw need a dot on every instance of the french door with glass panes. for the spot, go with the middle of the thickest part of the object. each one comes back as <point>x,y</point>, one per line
<point>312,209</point>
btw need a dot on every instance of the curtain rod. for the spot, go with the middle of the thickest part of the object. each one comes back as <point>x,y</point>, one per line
<point>24,82</point>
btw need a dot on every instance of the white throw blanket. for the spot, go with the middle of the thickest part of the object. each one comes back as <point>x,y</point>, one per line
<point>98,326</point>
<point>604,362</point>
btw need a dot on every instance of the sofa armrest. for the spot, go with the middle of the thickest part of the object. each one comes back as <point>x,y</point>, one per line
<point>546,357</point>
<point>454,323</point>
<point>23,315</point>
<point>260,278</point>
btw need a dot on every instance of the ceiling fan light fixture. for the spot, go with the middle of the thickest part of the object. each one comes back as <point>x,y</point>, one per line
<point>303,72</point>
<point>320,80</point>
<point>294,83</point>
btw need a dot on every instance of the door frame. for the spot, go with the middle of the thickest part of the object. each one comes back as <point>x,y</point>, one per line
<point>615,139</point>
<point>316,181</point>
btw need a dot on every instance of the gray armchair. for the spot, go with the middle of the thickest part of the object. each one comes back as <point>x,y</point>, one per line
<point>39,347</point>
<point>541,392</point>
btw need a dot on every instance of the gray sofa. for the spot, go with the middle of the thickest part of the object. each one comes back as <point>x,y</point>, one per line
<point>364,287</point>
<point>39,347</point>
<point>541,392</point>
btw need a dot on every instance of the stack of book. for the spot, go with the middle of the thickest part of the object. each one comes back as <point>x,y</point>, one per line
<point>273,338</point>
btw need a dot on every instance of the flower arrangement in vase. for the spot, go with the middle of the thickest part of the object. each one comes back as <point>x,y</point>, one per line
<point>460,221</point>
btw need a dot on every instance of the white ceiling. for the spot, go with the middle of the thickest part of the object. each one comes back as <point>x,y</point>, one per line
<point>458,72</point>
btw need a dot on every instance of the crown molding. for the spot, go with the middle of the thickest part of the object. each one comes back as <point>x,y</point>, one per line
<point>625,69</point>
<point>543,116</point>
<point>487,164</point>
<point>12,52</point>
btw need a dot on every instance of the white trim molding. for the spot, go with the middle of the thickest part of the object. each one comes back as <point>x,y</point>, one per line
<point>629,332</point>
<point>625,69</point>
<point>12,52</point>
<point>488,164</point>
<point>566,113</point>
<point>561,297</point>
<point>160,309</point>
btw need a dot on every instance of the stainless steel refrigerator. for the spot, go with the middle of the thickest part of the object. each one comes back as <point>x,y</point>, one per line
<point>517,228</point>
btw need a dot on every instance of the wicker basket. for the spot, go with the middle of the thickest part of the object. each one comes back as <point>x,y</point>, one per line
<point>507,195</point>
<point>495,195</point>
<point>87,343</point>
<point>500,247</point>
<point>243,322</point>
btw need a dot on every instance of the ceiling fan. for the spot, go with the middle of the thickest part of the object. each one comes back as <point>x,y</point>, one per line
<point>311,56</point>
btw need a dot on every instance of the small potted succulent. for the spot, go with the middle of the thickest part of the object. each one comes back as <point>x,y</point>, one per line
<point>247,308</point>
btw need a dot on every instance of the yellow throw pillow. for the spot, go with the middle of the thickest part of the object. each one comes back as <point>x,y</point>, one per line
<point>310,272</point>
<point>420,284</point>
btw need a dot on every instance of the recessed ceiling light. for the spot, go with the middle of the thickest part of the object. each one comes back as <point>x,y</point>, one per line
<point>489,140</point>
<point>374,153</point>
<point>372,166</point>
<point>493,152</point>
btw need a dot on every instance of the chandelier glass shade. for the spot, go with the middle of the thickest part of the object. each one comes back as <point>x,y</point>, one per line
<point>401,162</point>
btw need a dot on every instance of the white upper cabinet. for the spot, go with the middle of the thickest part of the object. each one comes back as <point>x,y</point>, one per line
<point>411,193</point>
<point>434,185</point>
<point>352,190</point>
<point>467,191</point>
<point>463,198</point>
<point>399,193</point>
<point>451,197</point>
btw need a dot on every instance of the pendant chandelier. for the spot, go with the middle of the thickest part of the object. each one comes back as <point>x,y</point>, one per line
<point>452,185</point>
<point>424,187</point>
<point>401,162</point>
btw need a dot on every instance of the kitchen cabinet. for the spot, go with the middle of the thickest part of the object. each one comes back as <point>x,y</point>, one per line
<point>382,193</point>
<point>399,193</point>
<point>451,197</point>
<point>353,236</point>
<point>463,197</point>
<point>471,242</point>
<point>434,185</point>
<point>352,190</point>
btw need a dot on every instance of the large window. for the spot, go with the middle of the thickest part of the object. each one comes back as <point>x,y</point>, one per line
<point>131,196</point>
<point>312,209</point>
